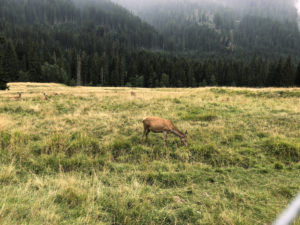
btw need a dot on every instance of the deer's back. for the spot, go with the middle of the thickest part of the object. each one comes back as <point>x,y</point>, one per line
<point>158,124</point>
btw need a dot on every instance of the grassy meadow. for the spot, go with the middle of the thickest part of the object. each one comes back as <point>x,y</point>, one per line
<point>78,158</point>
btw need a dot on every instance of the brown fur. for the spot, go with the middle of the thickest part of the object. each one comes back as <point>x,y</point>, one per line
<point>17,97</point>
<point>160,125</point>
<point>132,93</point>
<point>45,97</point>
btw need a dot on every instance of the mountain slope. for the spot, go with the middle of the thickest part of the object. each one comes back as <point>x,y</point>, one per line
<point>93,24</point>
<point>228,27</point>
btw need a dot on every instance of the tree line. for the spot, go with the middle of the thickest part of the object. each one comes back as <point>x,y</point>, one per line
<point>23,62</point>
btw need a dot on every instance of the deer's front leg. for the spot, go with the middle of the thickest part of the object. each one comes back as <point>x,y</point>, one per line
<point>165,138</point>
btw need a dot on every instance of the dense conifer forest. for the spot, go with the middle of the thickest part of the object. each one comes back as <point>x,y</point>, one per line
<point>100,43</point>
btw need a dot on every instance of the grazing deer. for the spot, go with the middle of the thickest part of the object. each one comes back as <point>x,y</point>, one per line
<point>159,125</point>
<point>17,97</point>
<point>45,96</point>
<point>132,93</point>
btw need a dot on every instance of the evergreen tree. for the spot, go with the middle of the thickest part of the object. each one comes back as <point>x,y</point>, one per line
<point>10,63</point>
<point>78,71</point>
<point>279,78</point>
<point>53,73</point>
<point>34,64</point>
<point>123,72</point>
<point>105,78</point>
<point>272,75</point>
<point>85,69</point>
<point>288,73</point>
<point>297,80</point>
<point>164,80</point>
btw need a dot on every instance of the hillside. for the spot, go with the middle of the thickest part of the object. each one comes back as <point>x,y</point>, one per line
<point>78,158</point>
<point>90,26</point>
<point>224,28</point>
<point>54,33</point>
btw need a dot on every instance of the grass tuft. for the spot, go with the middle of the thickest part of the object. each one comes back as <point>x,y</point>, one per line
<point>283,150</point>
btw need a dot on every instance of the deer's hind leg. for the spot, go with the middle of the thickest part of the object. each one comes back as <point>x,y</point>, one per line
<point>145,132</point>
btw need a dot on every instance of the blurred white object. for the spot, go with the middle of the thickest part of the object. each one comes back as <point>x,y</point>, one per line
<point>290,214</point>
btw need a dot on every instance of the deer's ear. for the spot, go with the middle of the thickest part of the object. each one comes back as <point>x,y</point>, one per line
<point>186,132</point>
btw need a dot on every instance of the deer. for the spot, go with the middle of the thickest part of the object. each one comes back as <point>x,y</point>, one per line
<point>132,93</point>
<point>45,96</point>
<point>160,125</point>
<point>17,97</point>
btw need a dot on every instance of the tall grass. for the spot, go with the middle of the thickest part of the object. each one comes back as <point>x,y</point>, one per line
<point>78,158</point>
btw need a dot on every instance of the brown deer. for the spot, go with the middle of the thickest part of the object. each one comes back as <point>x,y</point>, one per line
<point>132,93</point>
<point>159,125</point>
<point>45,97</point>
<point>17,97</point>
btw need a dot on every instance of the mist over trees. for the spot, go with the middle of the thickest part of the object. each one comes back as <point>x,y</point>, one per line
<point>97,42</point>
<point>224,26</point>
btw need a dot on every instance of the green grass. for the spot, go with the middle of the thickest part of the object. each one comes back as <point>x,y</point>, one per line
<point>79,157</point>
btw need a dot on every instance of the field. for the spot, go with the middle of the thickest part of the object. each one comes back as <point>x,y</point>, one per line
<point>78,158</point>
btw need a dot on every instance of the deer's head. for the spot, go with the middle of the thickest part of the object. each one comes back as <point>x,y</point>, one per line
<point>184,139</point>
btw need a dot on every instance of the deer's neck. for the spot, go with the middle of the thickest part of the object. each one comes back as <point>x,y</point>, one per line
<point>177,132</point>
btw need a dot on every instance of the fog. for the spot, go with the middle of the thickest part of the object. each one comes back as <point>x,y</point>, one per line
<point>138,6</point>
<point>297,5</point>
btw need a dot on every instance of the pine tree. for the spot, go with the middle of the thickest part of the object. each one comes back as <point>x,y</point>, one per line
<point>34,64</point>
<point>271,80</point>
<point>122,72</point>
<point>78,73</point>
<point>95,70</point>
<point>165,80</point>
<point>105,78</point>
<point>297,80</point>
<point>10,62</point>
<point>85,68</point>
<point>288,73</point>
<point>278,79</point>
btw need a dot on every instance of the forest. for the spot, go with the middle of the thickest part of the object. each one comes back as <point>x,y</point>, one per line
<point>99,43</point>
